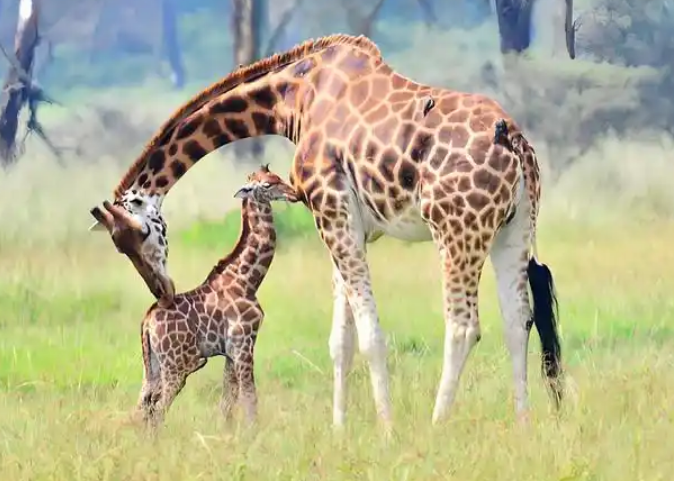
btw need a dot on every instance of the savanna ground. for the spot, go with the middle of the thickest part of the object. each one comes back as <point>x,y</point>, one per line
<point>70,308</point>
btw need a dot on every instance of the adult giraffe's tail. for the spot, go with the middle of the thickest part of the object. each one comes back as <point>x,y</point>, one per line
<point>541,281</point>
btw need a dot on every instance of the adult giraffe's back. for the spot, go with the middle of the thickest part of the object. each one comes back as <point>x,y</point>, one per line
<point>376,153</point>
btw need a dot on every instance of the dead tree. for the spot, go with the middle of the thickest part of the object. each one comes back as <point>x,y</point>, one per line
<point>249,24</point>
<point>514,25</point>
<point>170,43</point>
<point>19,90</point>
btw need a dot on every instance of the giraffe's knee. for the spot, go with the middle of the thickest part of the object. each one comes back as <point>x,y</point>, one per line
<point>465,332</point>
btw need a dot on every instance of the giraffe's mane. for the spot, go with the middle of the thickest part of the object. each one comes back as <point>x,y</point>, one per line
<point>237,77</point>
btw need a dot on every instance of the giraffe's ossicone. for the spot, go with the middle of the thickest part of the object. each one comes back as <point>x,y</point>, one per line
<point>377,153</point>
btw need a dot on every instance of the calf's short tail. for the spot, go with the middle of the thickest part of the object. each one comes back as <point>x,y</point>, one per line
<point>544,317</point>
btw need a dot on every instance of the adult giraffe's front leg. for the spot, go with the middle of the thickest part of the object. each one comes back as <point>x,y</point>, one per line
<point>342,232</point>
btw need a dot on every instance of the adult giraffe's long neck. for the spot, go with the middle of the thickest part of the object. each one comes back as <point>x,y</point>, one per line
<point>248,110</point>
<point>249,261</point>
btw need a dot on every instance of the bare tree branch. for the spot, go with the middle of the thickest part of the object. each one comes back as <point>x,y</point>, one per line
<point>570,27</point>
<point>19,90</point>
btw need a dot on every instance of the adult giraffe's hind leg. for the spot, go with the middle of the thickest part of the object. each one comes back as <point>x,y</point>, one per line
<point>509,257</point>
<point>342,345</point>
<point>463,249</point>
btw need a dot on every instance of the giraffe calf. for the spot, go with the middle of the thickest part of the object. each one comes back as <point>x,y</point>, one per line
<point>220,317</point>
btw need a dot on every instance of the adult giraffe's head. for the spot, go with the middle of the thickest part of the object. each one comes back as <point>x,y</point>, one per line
<point>138,230</point>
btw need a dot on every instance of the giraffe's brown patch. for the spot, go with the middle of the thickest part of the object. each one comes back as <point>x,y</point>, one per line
<point>456,227</point>
<point>264,97</point>
<point>237,128</point>
<point>464,184</point>
<point>439,157</point>
<point>380,86</point>
<point>478,149</point>
<point>485,180</point>
<point>450,103</point>
<point>357,140</point>
<point>189,126</point>
<point>510,175</point>
<point>211,128</point>
<point>156,161</point>
<point>458,117</point>
<point>264,123</point>
<point>231,105</point>
<point>384,130</point>
<point>437,215</point>
<point>460,135</point>
<point>468,101</point>
<point>433,120</point>
<point>470,220</point>
<point>172,149</point>
<point>503,194</point>
<point>194,150</point>
<point>359,93</point>
<point>371,149</point>
<point>398,82</point>
<point>320,111</point>
<point>161,182</point>
<point>142,178</point>
<point>337,87</point>
<point>477,200</point>
<point>408,175</point>
<point>353,63</point>
<point>421,145</point>
<point>387,163</point>
<point>329,54</point>
<point>405,135</point>
<point>488,215</point>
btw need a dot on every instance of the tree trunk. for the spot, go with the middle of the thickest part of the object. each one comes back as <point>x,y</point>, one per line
<point>18,88</point>
<point>171,44</point>
<point>247,19</point>
<point>514,25</point>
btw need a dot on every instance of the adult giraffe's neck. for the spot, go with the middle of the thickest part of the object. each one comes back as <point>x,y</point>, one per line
<point>254,251</point>
<point>223,119</point>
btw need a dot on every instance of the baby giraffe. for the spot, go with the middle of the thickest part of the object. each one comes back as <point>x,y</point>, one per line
<point>221,317</point>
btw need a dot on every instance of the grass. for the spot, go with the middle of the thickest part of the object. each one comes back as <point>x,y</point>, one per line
<point>70,366</point>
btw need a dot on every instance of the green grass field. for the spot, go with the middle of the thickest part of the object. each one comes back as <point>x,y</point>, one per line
<point>70,365</point>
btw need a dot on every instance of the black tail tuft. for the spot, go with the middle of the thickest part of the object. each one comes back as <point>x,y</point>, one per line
<point>545,319</point>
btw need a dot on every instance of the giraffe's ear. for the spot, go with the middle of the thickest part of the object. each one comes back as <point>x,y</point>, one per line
<point>104,220</point>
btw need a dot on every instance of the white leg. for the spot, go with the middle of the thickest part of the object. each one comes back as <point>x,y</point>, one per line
<point>462,329</point>
<point>342,346</point>
<point>509,258</point>
<point>346,243</point>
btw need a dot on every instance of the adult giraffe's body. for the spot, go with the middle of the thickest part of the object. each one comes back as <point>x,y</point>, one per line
<point>376,154</point>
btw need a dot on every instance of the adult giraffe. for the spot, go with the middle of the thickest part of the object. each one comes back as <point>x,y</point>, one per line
<point>377,153</point>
